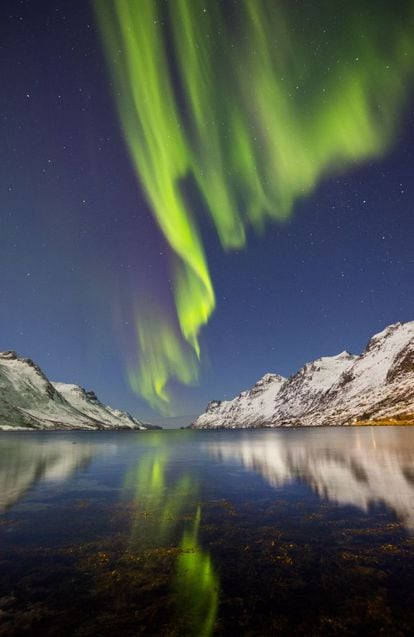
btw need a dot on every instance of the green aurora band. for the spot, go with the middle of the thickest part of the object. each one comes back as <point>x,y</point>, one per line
<point>251,104</point>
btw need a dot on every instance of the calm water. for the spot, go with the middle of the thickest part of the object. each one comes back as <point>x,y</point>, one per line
<point>289,532</point>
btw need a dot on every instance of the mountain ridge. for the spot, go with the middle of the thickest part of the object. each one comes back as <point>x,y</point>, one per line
<point>30,401</point>
<point>331,390</point>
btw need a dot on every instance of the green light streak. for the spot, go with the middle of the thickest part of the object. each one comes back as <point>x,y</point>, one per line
<point>196,583</point>
<point>255,109</point>
<point>169,505</point>
<point>167,501</point>
<point>163,356</point>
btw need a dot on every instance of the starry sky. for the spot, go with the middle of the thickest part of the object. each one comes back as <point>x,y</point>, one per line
<point>84,257</point>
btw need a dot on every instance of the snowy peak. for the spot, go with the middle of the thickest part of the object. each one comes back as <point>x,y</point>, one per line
<point>269,378</point>
<point>268,381</point>
<point>9,355</point>
<point>341,356</point>
<point>371,369</point>
<point>29,400</point>
<point>378,385</point>
<point>304,390</point>
<point>248,407</point>
<point>88,403</point>
<point>324,369</point>
<point>395,331</point>
<point>21,377</point>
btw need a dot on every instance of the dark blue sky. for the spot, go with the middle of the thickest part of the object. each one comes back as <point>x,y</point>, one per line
<point>76,234</point>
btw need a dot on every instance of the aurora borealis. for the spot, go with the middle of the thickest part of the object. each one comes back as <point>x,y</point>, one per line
<point>253,111</point>
<point>195,193</point>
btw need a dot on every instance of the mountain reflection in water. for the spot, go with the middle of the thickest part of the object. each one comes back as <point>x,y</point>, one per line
<point>304,532</point>
<point>25,461</point>
<point>368,466</point>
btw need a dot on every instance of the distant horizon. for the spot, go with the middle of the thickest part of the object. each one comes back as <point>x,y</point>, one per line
<point>173,422</point>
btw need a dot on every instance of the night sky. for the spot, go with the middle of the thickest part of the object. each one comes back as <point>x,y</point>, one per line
<point>83,258</point>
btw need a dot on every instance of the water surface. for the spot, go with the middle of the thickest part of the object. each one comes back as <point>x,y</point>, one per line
<point>283,532</point>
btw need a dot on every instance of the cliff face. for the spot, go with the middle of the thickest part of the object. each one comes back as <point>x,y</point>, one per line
<point>28,400</point>
<point>338,390</point>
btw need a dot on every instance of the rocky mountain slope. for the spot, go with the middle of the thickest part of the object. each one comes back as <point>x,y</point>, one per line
<point>28,400</point>
<point>374,387</point>
<point>249,408</point>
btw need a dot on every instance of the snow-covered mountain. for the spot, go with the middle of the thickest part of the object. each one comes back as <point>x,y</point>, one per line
<point>28,400</point>
<point>249,408</point>
<point>376,386</point>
